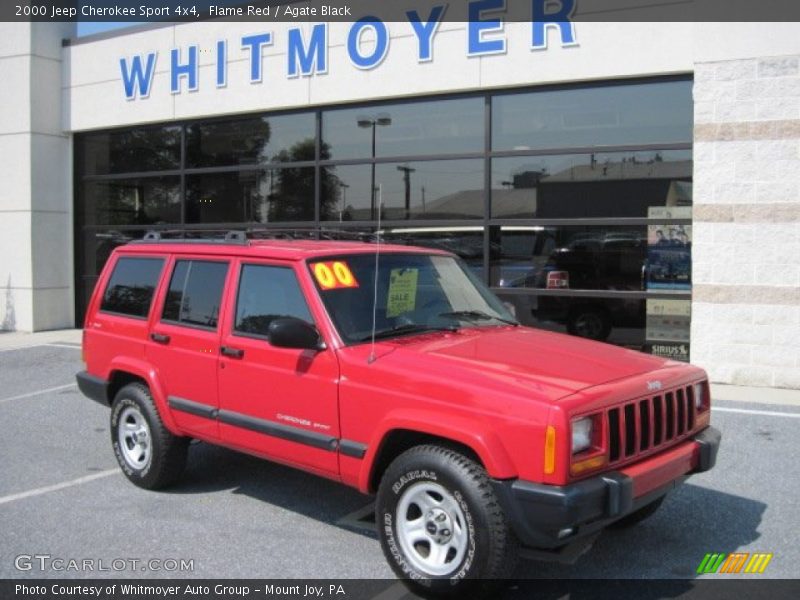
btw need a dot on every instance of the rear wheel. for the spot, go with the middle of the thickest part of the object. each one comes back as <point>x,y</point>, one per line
<point>440,525</point>
<point>148,454</point>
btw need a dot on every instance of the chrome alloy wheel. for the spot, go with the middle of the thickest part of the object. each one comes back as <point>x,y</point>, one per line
<point>431,529</point>
<point>134,439</point>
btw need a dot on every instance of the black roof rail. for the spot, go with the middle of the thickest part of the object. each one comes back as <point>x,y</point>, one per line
<point>246,235</point>
<point>236,236</point>
<point>228,238</point>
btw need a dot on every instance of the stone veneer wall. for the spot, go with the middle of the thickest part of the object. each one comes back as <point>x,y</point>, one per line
<point>746,249</point>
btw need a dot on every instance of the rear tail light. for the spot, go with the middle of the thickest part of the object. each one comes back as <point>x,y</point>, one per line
<point>557,280</point>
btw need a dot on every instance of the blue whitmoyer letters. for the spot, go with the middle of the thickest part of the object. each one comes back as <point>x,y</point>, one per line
<point>307,55</point>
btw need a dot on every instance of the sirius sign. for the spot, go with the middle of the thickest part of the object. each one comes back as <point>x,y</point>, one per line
<point>307,54</point>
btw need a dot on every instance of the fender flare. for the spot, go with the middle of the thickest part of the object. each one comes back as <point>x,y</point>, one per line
<point>149,373</point>
<point>470,432</point>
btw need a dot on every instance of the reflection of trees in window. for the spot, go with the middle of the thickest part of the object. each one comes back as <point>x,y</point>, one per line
<point>128,299</point>
<point>291,196</point>
<point>135,150</point>
<point>256,324</point>
<point>137,202</point>
<point>239,142</point>
<point>172,304</point>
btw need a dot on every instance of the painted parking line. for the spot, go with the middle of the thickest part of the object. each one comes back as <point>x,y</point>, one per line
<point>53,344</point>
<point>13,348</point>
<point>39,393</point>
<point>58,486</point>
<point>765,413</point>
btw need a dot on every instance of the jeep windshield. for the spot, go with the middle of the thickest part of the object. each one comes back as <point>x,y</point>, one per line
<point>416,293</point>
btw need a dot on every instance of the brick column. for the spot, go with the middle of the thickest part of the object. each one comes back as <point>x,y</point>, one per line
<point>746,250</point>
<point>36,267</point>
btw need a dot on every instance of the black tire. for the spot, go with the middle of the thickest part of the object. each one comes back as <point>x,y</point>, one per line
<point>589,322</point>
<point>148,454</point>
<point>640,515</point>
<point>488,547</point>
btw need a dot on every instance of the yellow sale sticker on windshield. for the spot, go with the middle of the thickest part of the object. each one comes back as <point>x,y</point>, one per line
<point>402,291</point>
<point>334,274</point>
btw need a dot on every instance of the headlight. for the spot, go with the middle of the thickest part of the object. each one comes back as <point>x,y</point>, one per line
<point>699,396</point>
<point>582,434</point>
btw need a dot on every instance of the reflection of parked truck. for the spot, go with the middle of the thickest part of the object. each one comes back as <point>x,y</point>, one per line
<point>614,261</point>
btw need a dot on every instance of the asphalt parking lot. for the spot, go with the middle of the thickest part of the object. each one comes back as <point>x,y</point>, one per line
<point>234,516</point>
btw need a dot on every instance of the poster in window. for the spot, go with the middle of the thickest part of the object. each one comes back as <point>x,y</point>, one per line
<point>668,320</point>
<point>669,257</point>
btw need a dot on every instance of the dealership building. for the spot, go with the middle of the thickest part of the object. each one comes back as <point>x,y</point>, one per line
<point>637,183</point>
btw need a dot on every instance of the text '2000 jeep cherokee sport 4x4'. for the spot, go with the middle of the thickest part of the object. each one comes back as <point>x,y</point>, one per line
<point>397,373</point>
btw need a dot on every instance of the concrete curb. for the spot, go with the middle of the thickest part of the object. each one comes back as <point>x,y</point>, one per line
<point>759,395</point>
<point>18,339</point>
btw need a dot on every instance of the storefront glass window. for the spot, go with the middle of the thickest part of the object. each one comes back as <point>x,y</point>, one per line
<point>647,113</point>
<point>589,194</point>
<point>413,129</point>
<point>130,151</point>
<point>140,201</point>
<point>575,257</point>
<point>258,140</point>
<point>261,196</point>
<point>442,189</point>
<point>602,185</point>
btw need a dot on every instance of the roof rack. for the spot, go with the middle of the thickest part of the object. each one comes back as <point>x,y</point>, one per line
<point>187,237</point>
<point>243,237</point>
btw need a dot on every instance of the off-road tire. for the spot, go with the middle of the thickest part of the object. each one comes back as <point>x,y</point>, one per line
<point>490,548</point>
<point>166,453</point>
<point>638,516</point>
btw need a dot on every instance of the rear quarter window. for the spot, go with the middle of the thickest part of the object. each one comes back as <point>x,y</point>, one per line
<point>131,287</point>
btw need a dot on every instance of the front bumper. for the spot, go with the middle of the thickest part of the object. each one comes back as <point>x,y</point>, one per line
<point>539,513</point>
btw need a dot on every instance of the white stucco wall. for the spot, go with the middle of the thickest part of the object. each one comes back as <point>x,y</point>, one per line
<point>36,264</point>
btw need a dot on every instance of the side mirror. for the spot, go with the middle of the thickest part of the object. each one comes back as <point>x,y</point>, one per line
<point>290,332</point>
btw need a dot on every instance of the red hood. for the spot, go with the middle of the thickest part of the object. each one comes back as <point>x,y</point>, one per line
<point>543,364</point>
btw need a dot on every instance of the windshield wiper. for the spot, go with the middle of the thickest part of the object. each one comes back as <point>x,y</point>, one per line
<point>407,328</point>
<point>476,315</point>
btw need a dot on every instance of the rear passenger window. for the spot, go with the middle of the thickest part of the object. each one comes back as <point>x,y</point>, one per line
<point>267,293</point>
<point>131,287</point>
<point>195,293</point>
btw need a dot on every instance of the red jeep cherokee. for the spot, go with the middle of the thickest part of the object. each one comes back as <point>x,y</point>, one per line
<point>398,373</point>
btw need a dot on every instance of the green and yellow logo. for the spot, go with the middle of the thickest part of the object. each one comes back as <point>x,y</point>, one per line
<point>736,562</point>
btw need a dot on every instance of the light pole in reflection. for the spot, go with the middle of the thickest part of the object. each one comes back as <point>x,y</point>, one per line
<point>383,120</point>
<point>342,206</point>
<point>407,171</point>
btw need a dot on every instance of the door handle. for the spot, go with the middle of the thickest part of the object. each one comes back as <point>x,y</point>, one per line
<point>161,338</point>
<point>232,352</point>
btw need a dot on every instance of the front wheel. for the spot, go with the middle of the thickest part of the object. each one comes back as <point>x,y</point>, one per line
<point>440,525</point>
